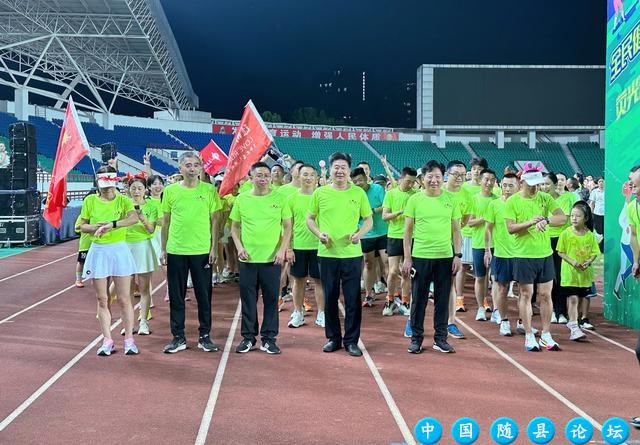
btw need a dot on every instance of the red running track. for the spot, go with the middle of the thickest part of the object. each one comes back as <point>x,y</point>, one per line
<point>55,390</point>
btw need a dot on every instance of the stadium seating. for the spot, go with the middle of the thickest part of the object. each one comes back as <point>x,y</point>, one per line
<point>590,157</point>
<point>554,157</point>
<point>410,153</point>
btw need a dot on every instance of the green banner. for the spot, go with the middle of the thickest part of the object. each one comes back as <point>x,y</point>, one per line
<point>622,143</point>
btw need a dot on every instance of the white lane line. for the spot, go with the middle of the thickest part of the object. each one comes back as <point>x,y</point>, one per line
<point>37,267</point>
<point>613,342</point>
<point>54,378</point>
<point>201,438</point>
<point>572,406</point>
<point>36,304</point>
<point>407,434</point>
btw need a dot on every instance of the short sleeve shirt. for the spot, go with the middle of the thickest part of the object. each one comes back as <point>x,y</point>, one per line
<point>579,248</point>
<point>530,243</point>
<point>303,239</point>
<point>395,200</point>
<point>96,210</point>
<point>503,241</point>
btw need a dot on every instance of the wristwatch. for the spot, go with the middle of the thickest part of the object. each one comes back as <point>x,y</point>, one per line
<point>459,254</point>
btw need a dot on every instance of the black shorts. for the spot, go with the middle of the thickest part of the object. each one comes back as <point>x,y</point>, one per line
<point>395,247</point>
<point>82,255</point>
<point>533,270</point>
<point>373,244</point>
<point>502,269</point>
<point>581,292</point>
<point>306,264</point>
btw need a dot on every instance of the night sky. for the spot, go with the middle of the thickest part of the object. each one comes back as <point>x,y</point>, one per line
<point>273,51</point>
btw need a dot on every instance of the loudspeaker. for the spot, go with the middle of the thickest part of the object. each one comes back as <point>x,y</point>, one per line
<point>108,152</point>
<point>20,229</point>
<point>19,203</point>
<point>24,145</point>
<point>22,130</point>
<point>24,171</point>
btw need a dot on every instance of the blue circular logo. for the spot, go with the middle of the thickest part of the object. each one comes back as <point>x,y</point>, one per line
<point>465,430</point>
<point>541,430</point>
<point>428,431</point>
<point>504,430</point>
<point>615,431</point>
<point>579,430</point>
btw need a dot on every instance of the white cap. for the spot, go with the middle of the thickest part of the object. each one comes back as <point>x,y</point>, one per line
<point>109,179</point>
<point>533,178</point>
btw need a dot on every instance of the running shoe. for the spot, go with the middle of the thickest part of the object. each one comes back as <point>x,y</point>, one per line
<point>143,328</point>
<point>443,346</point>
<point>562,319</point>
<point>554,319</point>
<point>404,309</point>
<point>505,328</point>
<point>177,344</point>
<point>546,341</point>
<point>496,317</point>
<point>414,347</point>
<point>379,287</point>
<point>530,343</point>
<point>367,302</point>
<point>245,345</point>
<point>296,320</point>
<point>205,343</point>
<point>79,283</point>
<point>408,332</point>
<point>389,309</point>
<point>453,330</point>
<point>320,319</point>
<point>460,305</point>
<point>576,333</point>
<point>520,328</point>
<point>130,347</point>
<point>480,314</point>
<point>107,348</point>
<point>585,324</point>
<point>635,422</point>
<point>270,347</point>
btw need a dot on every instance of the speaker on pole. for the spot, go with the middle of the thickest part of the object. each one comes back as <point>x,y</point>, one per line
<point>108,151</point>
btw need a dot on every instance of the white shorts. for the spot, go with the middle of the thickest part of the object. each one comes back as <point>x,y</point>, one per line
<point>467,251</point>
<point>144,255</point>
<point>108,260</point>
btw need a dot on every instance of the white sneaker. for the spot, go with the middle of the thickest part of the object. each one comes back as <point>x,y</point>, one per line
<point>505,328</point>
<point>189,282</point>
<point>297,319</point>
<point>214,279</point>
<point>287,297</point>
<point>496,317</point>
<point>530,343</point>
<point>320,319</point>
<point>576,333</point>
<point>144,329</point>
<point>390,307</point>
<point>481,314</point>
<point>546,341</point>
<point>226,273</point>
<point>520,328</point>
<point>379,287</point>
<point>562,319</point>
<point>554,319</point>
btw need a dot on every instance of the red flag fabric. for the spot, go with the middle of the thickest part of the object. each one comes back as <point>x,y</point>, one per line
<point>213,158</point>
<point>72,147</point>
<point>251,141</point>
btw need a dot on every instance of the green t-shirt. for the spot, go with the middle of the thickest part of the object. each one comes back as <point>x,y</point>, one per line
<point>468,190</point>
<point>565,202</point>
<point>191,210</point>
<point>432,218</point>
<point>503,241</point>
<point>375,195</point>
<point>96,210</point>
<point>288,189</point>
<point>247,185</point>
<point>477,209</point>
<point>303,239</point>
<point>337,214</point>
<point>530,243</point>
<point>579,248</point>
<point>260,220</point>
<point>85,238</point>
<point>633,213</point>
<point>151,209</point>
<point>394,200</point>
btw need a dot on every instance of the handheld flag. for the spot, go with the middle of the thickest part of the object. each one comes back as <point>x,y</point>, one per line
<point>213,158</point>
<point>72,147</point>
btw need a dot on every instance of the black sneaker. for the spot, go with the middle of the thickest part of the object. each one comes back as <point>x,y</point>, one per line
<point>207,345</point>
<point>245,345</point>
<point>414,347</point>
<point>270,347</point>
<point>177,344</point>
<point>442,346</point>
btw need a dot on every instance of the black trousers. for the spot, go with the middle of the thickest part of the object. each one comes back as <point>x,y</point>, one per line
<point>178,268</point>
<point>559,300</point>
<point>335,272</point>
<point>427,271</point>
<point>254,277</point>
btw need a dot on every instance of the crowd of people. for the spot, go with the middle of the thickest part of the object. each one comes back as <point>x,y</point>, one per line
<point>288,227</point>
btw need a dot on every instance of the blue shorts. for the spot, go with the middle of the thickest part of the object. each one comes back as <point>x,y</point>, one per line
<point>502,269</point>
<point>479,269</point>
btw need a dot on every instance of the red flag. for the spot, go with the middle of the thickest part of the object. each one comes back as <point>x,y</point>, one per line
<point>213,158</point>
<point>72,147</point>
<point>251,141</point>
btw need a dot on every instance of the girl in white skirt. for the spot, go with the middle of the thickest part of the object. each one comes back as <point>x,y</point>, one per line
<point>105,217</point>
<point>139,238</point>
<point>155,185</point>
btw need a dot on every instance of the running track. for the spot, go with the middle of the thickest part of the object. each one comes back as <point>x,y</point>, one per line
<point>55,390</point>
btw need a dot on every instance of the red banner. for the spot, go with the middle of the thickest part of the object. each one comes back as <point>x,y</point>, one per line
<point>346,135</point>
<point>248,146</point>
<point>72,147</point>
<point>213,158</point>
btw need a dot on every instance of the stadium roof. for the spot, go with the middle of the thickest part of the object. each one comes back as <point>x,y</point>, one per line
<point>101,50</point>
